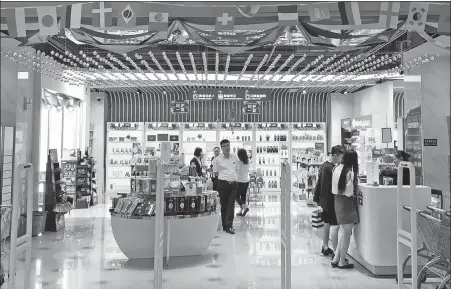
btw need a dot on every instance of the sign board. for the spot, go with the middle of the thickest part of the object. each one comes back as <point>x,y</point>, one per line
<point>179,106</point>
<point>205,94</point>
<point>386,135</point>
<point>252,107</point>
<point>319,146</point>
<point>362,122</point>
<point>430,142</point>
<point>346,122</point>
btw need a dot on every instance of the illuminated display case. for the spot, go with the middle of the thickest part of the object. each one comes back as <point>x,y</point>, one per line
<point>157,132</point>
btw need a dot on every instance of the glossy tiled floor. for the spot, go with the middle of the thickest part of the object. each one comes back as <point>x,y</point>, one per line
<point>85,255</point>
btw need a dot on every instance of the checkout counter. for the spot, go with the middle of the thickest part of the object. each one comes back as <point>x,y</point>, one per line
<point>375,238</point>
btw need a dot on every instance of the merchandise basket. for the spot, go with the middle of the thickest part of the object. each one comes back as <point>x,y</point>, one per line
<point>435,233</point>
<point>6,212</point>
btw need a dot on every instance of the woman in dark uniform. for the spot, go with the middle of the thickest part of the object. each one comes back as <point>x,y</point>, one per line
<point>197,161</point>
<point>400,156</point>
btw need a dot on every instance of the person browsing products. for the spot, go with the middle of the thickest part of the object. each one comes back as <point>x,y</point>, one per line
<point>243,181</point>
<point>225,167</point>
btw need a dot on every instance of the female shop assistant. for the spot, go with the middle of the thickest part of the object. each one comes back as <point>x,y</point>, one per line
<point>197,161</point>
<point>400,156</point>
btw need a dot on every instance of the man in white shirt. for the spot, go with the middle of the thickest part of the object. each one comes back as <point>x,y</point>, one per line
<point>225,167</point>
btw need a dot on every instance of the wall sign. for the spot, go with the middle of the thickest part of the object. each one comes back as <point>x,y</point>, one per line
<point>179,106</point>
<point>430,142</point>
<point>204,94</point>
<point>346,122</point>
<point>362,122</point>
<point>252,107</point>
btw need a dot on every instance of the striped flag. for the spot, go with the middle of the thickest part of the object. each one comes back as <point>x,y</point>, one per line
<point>15,19</point>
<point>389,13</point>
<point>71,16</point>
<point>350,13</point>
<point>158,21</point>
<point>443,22</point>
<point>416,20</point>
<point>48,23</point>
<point>288,15</point>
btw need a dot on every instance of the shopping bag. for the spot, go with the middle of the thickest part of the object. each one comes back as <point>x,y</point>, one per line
<point>317,218</point>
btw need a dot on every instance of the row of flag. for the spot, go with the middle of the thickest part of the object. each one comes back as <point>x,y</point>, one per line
<point>70,17</point>
<point>126,13</point>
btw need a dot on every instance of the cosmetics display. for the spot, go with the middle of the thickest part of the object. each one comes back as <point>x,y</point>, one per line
<point>308,153</point>
<point>202,135</point>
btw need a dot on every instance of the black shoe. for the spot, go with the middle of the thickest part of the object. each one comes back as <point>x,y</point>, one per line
<point>239,214</point>
<point>333,256</point>
<point>230,230</point>
<point>245,212</point>
<point>334,265</point>
<point>346,266</point>
<point>327,252</point>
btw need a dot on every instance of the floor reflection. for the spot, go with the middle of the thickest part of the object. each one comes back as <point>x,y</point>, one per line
<point>85,255</point>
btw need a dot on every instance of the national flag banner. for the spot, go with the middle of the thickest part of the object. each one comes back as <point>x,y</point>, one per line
<point>388,17</point>
<point>225,22</point>
<point>350,13</point>
<point>15,19</point>
<point>102,14</point>
<point>126,14</point>
<point>158,21</point>
<point>48,24</point>
<point>288,15</point>
<point>70,16</point>
<point>416,20</point>
<point>443,21</point>
<point>318,11</point>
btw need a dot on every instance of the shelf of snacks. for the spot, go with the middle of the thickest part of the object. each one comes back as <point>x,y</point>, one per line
<point>124,141</point>
<point>69,175</point>
<point>189,205</point>
<point>240,135</point>
<point>271,149</point>
<point>308,153</point>
<point>156,132</point>
<point>201,135</point>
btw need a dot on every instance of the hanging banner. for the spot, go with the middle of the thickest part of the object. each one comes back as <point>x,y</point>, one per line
<point>252,107</point>
<point>256,94</point>
<point>179,106</point>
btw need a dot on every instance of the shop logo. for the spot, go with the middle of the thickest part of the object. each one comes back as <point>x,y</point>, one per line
<point>363,123</point>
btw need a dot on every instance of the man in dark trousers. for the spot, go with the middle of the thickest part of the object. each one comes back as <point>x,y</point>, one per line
<point>324,197</point>
<point>225,167</point>
<point>214,178</point>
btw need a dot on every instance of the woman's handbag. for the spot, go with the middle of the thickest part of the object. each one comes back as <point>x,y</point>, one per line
<point>317,218</point>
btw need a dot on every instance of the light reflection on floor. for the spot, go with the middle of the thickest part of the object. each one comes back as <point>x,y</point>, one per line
<point>85,255</point>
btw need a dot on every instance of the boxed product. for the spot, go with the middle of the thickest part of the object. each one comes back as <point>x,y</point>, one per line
<point>170,206</point>
<point>193,204</point>
<point>202,202</point>
<point>208,202</point>
<point>182,205</point>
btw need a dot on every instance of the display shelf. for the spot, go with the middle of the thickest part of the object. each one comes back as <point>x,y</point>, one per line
<point>202,135</point>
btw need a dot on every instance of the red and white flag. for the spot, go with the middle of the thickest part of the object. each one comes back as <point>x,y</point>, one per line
<point>225,23</point>
<point>388,17</point>
<point>15,19</point>
<point>158,21</point>
<point>48,24</point>
<point>102,14</point>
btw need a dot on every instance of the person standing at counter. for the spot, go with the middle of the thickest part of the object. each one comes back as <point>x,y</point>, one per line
<point>197,161</point>
<point>214,178</point>
<point>225,167</point>
<point>344,187</point>
<point>400,156</point>
<point>243,181</point>
<point>324,197</point>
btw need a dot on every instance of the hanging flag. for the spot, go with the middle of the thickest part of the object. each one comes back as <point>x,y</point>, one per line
<point>248,11</point>
<point>158,21</point>
<point>288,15</point>
<point>389,13</point>
<point>416,20</point>
<point>126,11</point>
<point>443,22</point>
<point>15,19</point>
<point>225,22</point>
<point>48,24</point>
<point>318,11</point>
<point>350,13</point>
<point>102,14</point>
<point>71,16</point>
